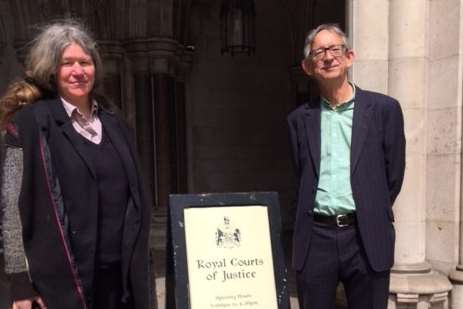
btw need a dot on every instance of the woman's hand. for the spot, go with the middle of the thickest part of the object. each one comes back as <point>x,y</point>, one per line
<point>27,303</point>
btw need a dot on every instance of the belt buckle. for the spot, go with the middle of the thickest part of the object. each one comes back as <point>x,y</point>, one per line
<point>338,221</point>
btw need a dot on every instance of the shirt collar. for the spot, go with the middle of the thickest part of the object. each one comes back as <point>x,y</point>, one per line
<point>343,105</point>
<point>71,108</point>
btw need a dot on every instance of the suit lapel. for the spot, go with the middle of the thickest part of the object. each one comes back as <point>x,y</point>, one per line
<point>114,131</point>
<point>360,124</point>
<point>312,131</point>
<point>64,123</point>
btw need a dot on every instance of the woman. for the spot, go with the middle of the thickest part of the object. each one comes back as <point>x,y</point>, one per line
<point>75,214</point>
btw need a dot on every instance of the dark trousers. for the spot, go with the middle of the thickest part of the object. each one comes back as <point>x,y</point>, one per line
<point>336,255</point>
<point>108,288</point>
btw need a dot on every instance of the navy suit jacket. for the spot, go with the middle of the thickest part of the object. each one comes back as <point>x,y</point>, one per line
<point>377,168</point>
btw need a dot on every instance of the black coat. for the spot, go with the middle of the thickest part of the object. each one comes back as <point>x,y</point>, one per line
<point>59,183</point>
<point>377,168</point>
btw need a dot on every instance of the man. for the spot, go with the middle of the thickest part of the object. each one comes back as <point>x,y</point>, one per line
<point>349,154</point>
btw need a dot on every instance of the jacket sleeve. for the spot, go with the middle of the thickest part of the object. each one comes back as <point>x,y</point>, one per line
<point>16,266</point>
<point>394,149</point>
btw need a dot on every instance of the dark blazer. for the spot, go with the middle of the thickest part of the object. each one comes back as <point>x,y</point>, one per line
<point>59,202</point>
<point>377,170</point>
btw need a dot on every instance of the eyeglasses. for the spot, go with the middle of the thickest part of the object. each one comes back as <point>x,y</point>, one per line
<point>335,50</point>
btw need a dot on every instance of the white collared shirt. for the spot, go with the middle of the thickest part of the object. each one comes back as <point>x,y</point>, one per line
<point>94,129</point>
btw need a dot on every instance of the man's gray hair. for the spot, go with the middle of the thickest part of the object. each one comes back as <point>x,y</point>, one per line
<point>328,27</point>
<point>45,51</point>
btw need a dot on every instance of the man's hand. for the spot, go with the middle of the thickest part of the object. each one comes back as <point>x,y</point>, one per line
<point>27,303</point>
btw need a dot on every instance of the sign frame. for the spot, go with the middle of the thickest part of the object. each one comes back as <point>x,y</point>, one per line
<point>177,205</point>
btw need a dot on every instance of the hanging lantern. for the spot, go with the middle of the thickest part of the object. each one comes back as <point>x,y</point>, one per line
<point>238,26</point>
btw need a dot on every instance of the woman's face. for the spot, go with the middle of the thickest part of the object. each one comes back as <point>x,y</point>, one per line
<point>76,75</point>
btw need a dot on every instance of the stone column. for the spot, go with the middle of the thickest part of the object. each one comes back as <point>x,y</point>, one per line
<point>143,118</point>
<point>114,70</point>
<point>163,103</point>
<point>3,37</point>
<point>152,61</point>
<point>160,107</point>
<point>367,27</point>
<point>142,95</point>
<point>162,84</point>
<point>185,56</point>
<point>447,57</point>
<point>413,283</point>
<point>456,278</point>
<point>444,135</point>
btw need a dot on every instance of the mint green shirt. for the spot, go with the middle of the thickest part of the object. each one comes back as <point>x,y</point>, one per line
<point>334,191</point>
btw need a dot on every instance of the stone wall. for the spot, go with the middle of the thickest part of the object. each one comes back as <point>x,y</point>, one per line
<point>9,66</point>
<point>237,107</point>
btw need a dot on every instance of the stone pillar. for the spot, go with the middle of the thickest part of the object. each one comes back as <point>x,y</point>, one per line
<point>163,103</point>
<point>456,278</point>
<point>185,56</point>
<point>143,118</point>
<point>408,70</point>
<point>447,59</point>
<point>158,68</point>
<point>152,61</point>
<point>151,65</point>
<point>170,123</point>
<point>413,283</point>
<point>142,95</point>
<point>367,27</point>
<point>114,70</point>
<point>3,37</point>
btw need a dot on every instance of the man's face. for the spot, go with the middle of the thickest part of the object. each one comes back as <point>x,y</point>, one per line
<point>329,59</point>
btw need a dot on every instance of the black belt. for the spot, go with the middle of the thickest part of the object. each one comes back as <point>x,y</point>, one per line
<point>336,220</point>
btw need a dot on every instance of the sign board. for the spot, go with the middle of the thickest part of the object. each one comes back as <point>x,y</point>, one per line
<point>227,251</point>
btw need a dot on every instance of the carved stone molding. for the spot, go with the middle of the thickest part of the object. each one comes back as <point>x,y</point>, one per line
<point>456,277</point>
<point>417,286</point>
<point>111,49</point>
<point>185,56</point>
<point>164,55</point>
